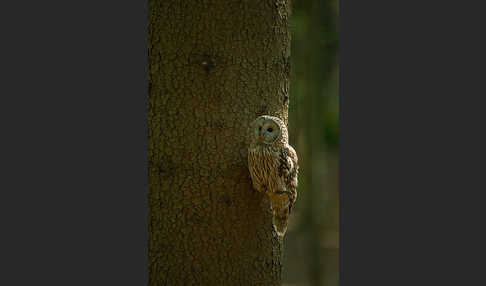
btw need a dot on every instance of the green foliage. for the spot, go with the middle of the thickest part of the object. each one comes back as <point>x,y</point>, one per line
<point>330,119</point>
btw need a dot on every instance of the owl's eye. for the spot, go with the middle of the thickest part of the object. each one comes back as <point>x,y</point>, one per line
<point>270,129</point>
<point>260,128</point>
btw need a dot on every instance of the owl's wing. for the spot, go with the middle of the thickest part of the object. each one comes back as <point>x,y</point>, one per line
<point>288,167</point>
<point>288,171</point>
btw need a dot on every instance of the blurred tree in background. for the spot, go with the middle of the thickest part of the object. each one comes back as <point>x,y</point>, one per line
<point>312,242</point>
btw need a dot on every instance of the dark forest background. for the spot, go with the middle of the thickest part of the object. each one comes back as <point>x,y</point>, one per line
<point>312,242</point>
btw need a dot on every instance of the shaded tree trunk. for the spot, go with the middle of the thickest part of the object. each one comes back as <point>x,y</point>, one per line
<point>214,66</point>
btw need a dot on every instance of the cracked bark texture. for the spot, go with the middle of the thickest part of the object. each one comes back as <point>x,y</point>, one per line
<point>214,66</point>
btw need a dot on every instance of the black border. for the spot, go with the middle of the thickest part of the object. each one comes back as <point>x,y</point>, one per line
<point>74,143</point>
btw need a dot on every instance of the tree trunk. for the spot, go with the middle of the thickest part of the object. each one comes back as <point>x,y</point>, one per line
<point>214,66</point>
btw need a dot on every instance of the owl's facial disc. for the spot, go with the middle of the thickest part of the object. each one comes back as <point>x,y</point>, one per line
<point>267,132</point>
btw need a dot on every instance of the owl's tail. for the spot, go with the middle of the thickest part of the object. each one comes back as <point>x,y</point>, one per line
<point>281,215</point>
<point>280,221</point>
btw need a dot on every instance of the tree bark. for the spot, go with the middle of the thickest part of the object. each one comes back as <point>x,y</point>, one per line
<point>214,66</point>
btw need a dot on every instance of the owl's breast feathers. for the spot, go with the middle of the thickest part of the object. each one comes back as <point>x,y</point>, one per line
<point>264,165</point>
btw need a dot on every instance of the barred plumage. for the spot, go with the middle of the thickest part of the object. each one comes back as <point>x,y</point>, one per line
<point>273,166</point>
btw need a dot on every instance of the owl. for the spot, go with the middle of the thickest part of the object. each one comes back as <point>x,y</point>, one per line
<point>273,167</point>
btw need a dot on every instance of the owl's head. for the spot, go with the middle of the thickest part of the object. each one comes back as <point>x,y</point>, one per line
<point>268,130</point>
